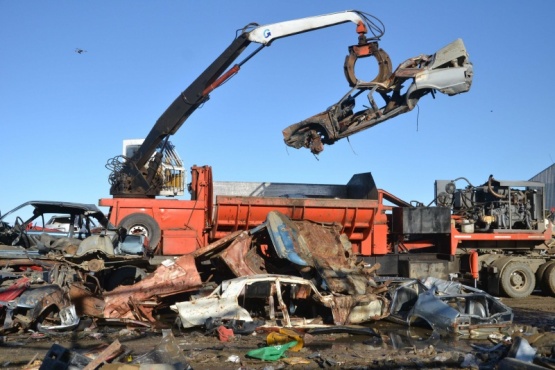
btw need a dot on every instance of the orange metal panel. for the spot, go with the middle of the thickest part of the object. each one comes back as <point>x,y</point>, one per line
<point>242,213</point>
<point>179,242</point>
<point>379,240</point>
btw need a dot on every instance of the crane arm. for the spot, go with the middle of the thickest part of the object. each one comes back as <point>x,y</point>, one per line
<point>268,33</point>
<point>132,180</point>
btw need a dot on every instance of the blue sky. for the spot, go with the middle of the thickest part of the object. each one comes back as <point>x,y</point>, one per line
<point>64,114</point>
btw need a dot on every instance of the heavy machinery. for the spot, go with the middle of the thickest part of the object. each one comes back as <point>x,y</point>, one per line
<point>151,167</point>
<point>449,71</point>
<point>138,176</point>
<point>494,235</point>
<point>491,234</point>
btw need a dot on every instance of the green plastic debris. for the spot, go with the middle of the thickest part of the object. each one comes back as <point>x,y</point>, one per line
<point>271,353</point>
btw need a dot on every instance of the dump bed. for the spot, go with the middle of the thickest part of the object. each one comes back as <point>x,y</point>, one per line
<point>244,205</point>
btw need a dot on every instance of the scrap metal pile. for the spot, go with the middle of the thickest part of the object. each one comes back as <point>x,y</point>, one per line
<point>64,267</point>
<point>282,273</point>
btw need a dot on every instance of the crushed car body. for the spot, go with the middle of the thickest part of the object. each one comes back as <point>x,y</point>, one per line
<point>49,250</point>
<point>53,226</point>
<point>138,301</point>
<point>279,300</point>
<point>449,71</point>
<point>315,251</point>
<point>329,286</point>
<point>324,284</point>
<point>42,307</point>
<point>447,307</point>
<point>280,245</point>
<point>34,229</point>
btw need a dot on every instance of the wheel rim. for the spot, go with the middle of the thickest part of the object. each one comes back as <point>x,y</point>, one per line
<point>138,229</point>
<point>518,280</point>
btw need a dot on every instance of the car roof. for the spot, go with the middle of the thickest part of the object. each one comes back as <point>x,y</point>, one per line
<point>45,206</point>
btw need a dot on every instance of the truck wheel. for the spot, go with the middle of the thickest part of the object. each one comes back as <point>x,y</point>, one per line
<point>540,271</point>
<point>548,280</point>
<point>140,223</point>
<point>517,280</point>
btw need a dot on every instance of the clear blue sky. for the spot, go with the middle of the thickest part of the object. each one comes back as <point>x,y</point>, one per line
<point>64,114</point>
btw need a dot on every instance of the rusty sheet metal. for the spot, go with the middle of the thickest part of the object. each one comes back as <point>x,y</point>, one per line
<point>139,300</point>
<point>86,303</point>
<point>347,309</point>
<point>304,242</point>
<point>45,299</point>
<point>323,248</point>
<point>341,308</point>
<point>215,247</point>
<point>241,259</point>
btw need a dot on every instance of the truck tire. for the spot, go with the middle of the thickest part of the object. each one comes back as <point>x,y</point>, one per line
<point>140,223</point>
<point>548,280</point>
<point>541,270</point>
<point>517,280</point>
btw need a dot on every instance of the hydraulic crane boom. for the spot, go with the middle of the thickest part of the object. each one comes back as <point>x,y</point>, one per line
<point>133,178</point>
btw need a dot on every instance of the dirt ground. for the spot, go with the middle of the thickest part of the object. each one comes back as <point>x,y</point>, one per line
<point>396,347</point>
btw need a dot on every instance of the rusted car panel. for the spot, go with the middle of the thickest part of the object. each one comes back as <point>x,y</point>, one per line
<point>44,308</point>
<point>51,306</point>
<point>280,300</point>
<point>241,258</point>
<point>138,301</point>
<point>283,246</point>
<point>447,307</point>
<point>321,248</point>
<point>86,302</point>
<point>304,242</point>
<point>449,71</point>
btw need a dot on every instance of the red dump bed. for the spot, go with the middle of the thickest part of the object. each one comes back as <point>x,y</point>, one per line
<point>243,213</point>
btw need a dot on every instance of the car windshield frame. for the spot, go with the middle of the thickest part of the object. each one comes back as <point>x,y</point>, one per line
<point>53,207</point>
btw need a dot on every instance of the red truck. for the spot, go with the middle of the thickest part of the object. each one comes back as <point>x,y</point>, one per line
<point>494,234</point>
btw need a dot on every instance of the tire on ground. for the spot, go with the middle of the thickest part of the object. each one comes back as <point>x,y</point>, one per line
<point>548,280</point>
<point>540,271</point>
<point>517,280</point>
<point>143,223</point>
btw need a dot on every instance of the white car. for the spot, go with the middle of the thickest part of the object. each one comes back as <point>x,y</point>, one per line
<point>280,300</point>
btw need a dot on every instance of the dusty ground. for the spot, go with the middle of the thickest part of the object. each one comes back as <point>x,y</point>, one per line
<point>396,348</point>
<point>535,310</point>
